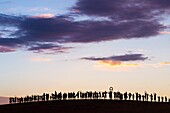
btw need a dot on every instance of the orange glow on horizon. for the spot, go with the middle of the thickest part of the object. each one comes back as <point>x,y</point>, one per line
<point>117,64</point>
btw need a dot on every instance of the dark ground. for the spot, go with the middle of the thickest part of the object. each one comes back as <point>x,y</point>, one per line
<point>87,106</point>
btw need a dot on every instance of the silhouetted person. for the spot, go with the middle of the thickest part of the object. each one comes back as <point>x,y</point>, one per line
<point>159,98</point>
<point>70,95</point>
<point>133,96</point>
<point>15,99</point>
<point>47,97</point>
<point>143,97</point>
<point>95,95</point>
<point>73,95</point>
<point>56,96</point>
<point>111,92</point>
<point>64,96</point>
<point>82,95</point>
<point>52,97</point>
<point>137,96</point>
<point>21,100</point>
<point>146,96</point>
<point>155,97</point>
<point>125,96</point>
<point>60,96</point>
<point>86,95</point>
<point>90,94</point>
<point>121,96</point>
<point>78,94</point>
<point>10,100</point>
<point>115,95</point>
<point>151,97</point>
<point>130,96</point>
<point>104,95</point>
<point>35,97</point>
<point>43,97</point>
<point>38,98</point>
<point>99,94</point>
<point>166,99</point>
<point>162,99</point>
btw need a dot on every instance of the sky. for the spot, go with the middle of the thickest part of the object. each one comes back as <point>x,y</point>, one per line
<point>73,45</point>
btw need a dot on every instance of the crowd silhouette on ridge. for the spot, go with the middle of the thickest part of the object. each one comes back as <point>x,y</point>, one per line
<point>90,95</point>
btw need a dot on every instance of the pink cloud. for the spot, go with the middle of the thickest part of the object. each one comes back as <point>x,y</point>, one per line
<point>4,49</point>
<point>165,32</point>
<point>48,15</point>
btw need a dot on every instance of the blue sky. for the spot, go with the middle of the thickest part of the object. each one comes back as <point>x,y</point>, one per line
<point>73,45</point>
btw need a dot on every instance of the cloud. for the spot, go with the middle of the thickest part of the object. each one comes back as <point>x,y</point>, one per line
<point>41,59</point>
<point>126,57</point>
<point>165,32</point>
<point>119,60</point>
<point>123,9</point>
<point>48,15</point>
<point>48,48</point>
<point>123,20</point>
<point>63,30</point>
<point>39,9</point>
<point>165,63</point>
<point>111,63</point>
<point>4,49</point>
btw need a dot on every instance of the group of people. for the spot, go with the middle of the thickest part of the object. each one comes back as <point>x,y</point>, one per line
<point>90,95</point>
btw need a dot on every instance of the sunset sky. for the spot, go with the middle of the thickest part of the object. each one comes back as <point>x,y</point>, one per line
<point>72,45</point>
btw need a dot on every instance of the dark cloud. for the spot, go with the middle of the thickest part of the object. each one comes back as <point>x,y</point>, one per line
<point>125,19</point>
<point>123,9</point>
<point>126,57</point>
<point>4,49</point>
<point>11,42</point>
<point>48,48</point>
